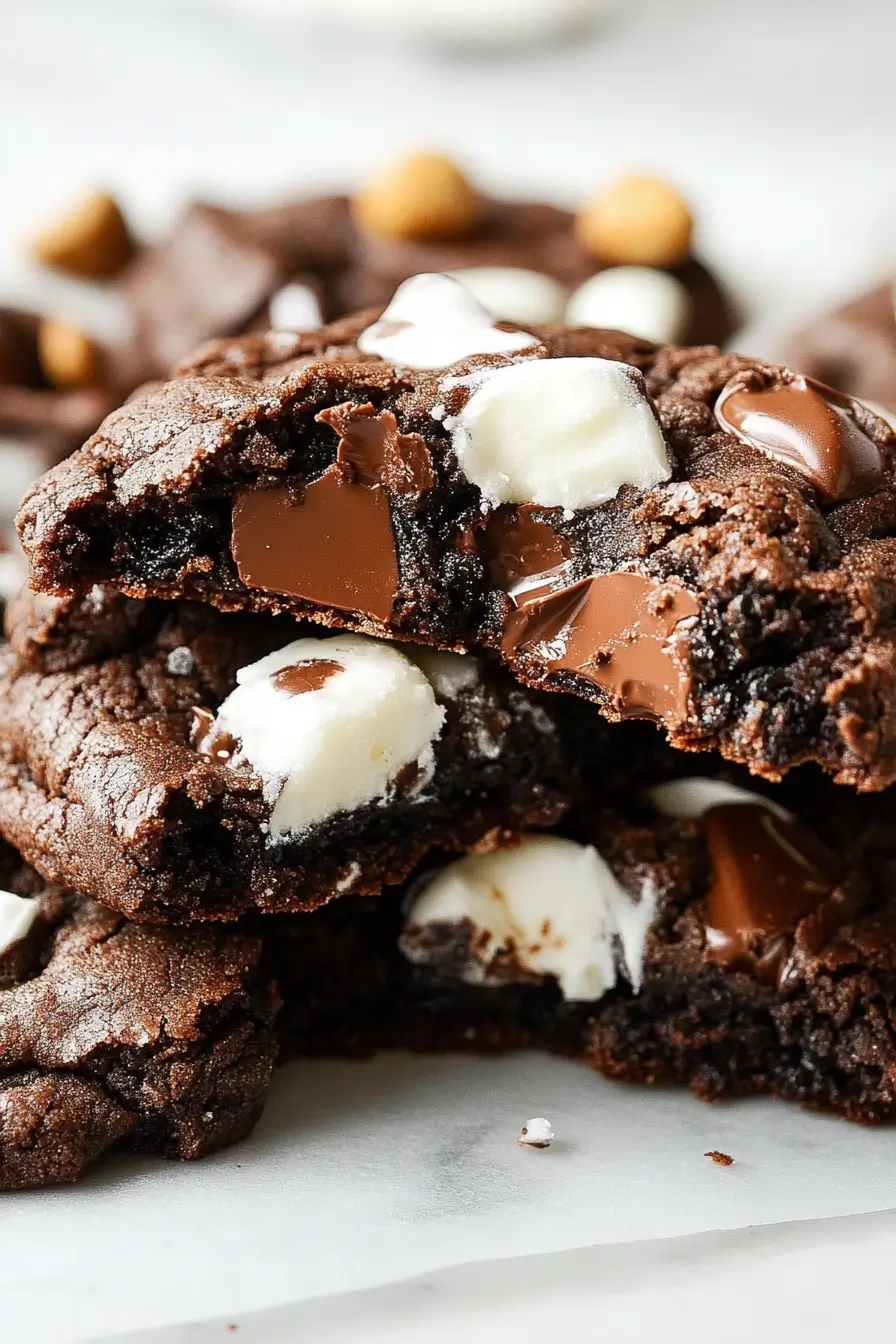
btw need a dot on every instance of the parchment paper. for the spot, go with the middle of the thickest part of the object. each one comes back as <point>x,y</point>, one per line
<point>365,1173</point>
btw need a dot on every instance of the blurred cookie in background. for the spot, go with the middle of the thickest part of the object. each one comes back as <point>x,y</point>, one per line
<point>223,272</point>
<point>535,262</point>
<point>54,391</point>
<point>625,260</point>
<point>853,347</point>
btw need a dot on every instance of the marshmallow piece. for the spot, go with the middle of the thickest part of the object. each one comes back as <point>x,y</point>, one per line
<point>295,308</point>
<point>638,299</point>
<point>536,1133</point>
<point>691,798</point>
<point>17,914</point>
<point>513,294</point>
<point>549,906</point>
<point>559,432</point>
<point>367,713</point>
<point>434,321</point>
<point>449,674</point>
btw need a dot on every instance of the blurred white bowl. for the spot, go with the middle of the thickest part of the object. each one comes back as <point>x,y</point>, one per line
<point>458,23</point>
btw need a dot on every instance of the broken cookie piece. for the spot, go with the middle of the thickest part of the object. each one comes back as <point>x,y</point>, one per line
<point>186,764</point>
<point>747,978</point>
<point>695,538</point>
<point>154,1039</point>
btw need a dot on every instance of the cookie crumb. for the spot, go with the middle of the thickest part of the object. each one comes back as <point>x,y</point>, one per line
<point>536,1133</point>
<point>720,1159</point>
<point>181,662</point>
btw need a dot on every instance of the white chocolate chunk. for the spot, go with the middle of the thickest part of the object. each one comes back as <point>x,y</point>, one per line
<point>17,914</point>
<point>432,322</point>
<point>295,308</point>
<point>536,1133</point>
<point>514,294</point>
<point>691,798</point>
<point>341,745</point>
<point>559,432</point>
<point>549,906</point>
<point>638,299</point>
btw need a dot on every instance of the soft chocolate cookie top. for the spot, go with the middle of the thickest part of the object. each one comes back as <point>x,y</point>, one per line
<point>702,539</point>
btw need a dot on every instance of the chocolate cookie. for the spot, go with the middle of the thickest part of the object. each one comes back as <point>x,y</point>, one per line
<point>701,539</point>
<point>193,765</point>
<point>113,1034</point>
<point>853,347</point>
<point>693,930</point>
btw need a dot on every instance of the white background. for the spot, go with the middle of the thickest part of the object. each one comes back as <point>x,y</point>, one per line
<point>776,116</point>
<point>777,119</point>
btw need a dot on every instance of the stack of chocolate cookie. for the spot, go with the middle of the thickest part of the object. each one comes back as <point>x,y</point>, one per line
<point>316,728</point>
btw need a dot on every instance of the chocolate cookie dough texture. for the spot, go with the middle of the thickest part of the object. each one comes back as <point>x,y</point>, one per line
<point>190,765</point>
<point>672,533</point>
<point>624,262</point>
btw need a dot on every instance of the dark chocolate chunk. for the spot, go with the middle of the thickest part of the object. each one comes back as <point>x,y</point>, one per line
<point>303,549</point>
<point>306,676</point>
<point>526,557</point>
<point>768,874</point>
<point>616,630</point>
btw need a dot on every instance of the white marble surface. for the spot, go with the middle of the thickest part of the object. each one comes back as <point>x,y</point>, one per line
<point>821,1281</point>
<point>776,117</point>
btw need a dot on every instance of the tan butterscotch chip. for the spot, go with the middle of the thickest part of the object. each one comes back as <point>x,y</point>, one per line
<point>641,221</point>
<point>423,196</point>
<point>67,357</point>
<point>93,240</point>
